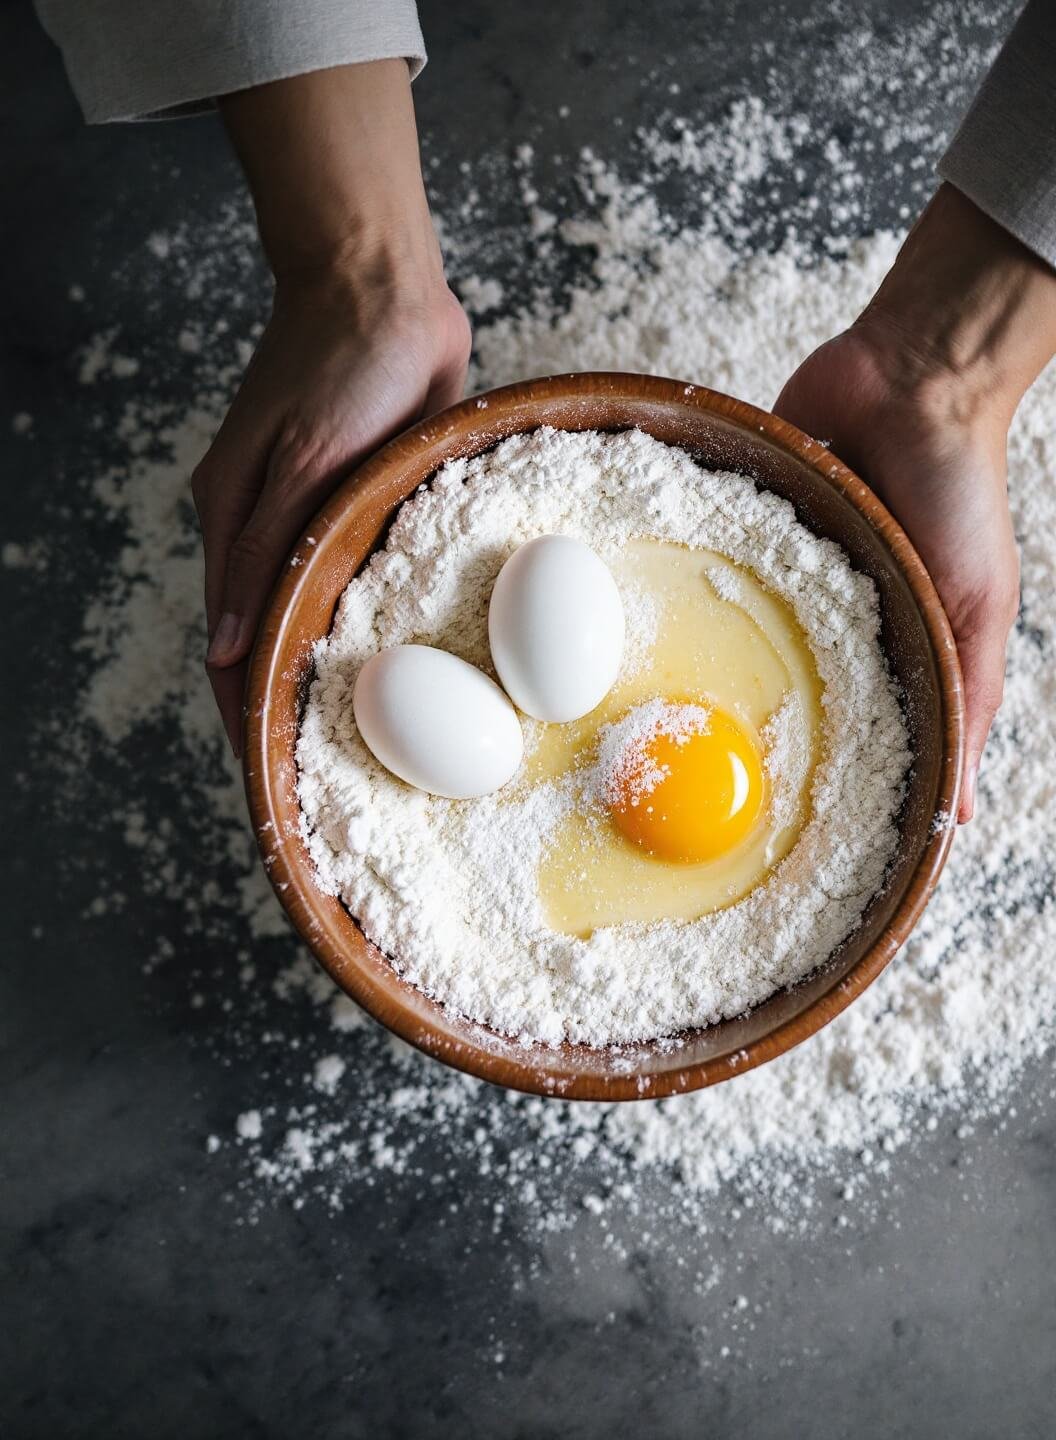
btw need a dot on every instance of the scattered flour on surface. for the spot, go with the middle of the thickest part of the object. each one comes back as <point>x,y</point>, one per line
<point>326,1076</point>
<point>947,1033</point>
<point>248,1126</point>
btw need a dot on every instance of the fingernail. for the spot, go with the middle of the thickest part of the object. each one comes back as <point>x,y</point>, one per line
<point>226,644</point>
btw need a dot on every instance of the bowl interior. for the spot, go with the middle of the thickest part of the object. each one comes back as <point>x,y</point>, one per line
<point>723,434</point>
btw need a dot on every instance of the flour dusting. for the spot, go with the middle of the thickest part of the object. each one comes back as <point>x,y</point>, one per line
<point>625,770</point>
<point>733,300</point>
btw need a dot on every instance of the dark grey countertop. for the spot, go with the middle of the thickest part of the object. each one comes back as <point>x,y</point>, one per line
<point>143,1294</point>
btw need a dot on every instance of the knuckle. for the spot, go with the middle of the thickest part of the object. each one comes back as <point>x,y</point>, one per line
<point>1009,601</point>
<point>302,461</point>
<point>463,346</point>
<point>990,704</point>
<point>249,552</point>
<point>1006,588</point>
<point>299,448</point>
<point>296,465</point>
<point>990,609</point>
<point>993,690</point>
<point>988,692</point>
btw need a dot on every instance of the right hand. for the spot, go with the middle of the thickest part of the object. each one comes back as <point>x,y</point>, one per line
<point>944,479</point>
<point>917,396</point>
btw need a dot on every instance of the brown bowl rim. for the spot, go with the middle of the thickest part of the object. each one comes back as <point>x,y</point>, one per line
<point>289,867</point>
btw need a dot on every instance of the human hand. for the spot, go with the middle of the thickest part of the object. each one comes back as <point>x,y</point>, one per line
<point>364,336</point>
<point>944,481</point>
<point>917,397</point>
<point>334,376</point>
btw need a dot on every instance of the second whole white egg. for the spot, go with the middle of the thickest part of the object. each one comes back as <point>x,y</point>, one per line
<point>556,628</point>
<point>437,722</point>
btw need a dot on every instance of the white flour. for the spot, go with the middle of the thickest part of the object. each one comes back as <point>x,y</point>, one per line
<point>949,1031</point>
<point>448,889</point>
<point>624,768</point>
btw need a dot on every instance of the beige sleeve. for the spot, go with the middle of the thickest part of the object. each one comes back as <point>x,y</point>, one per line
<point>143,59</point>
<point>1004,154</point>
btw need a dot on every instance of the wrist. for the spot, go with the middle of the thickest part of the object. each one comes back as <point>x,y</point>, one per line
<point>369,292</point>
<point>332,162</point>
<point>966,318</point>
<point>384,257</point>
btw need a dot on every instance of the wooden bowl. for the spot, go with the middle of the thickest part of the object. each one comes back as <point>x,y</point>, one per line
<point>724,434</point>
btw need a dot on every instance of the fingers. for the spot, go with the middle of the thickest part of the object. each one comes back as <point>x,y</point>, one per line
<point>448,383</point>
<point>228,689</point>
<point>297,481</point>
<point>255,495</point>
<point>302,471</point>
<point>306,462</point>
<point>446,389</point>
<point>220,528</point>
<point>225,487</point>
<point>982,656</point>
<point>222,521</point>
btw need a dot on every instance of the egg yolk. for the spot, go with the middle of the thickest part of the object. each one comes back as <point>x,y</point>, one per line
<point>707,798</point>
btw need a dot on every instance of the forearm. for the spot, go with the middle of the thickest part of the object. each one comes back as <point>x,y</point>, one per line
<point>364,337</point>
<point>966,309</point>
<point>332,162</point>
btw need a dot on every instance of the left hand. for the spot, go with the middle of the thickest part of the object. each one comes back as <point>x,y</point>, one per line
<point>364,337</point>
<point>337,372</point>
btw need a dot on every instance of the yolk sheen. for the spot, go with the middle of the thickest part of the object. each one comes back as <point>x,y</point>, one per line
<point>708,800</point>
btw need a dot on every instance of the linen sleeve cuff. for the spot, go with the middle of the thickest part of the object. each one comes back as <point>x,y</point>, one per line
<point>150,59</point>
<point>1003,157</point>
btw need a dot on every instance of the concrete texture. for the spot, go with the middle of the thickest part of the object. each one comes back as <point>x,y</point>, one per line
<point>137,1301</point>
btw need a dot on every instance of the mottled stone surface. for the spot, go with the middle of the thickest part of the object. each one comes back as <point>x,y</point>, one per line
<point>137,1300</point>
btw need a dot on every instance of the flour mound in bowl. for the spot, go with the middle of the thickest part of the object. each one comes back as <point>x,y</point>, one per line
<point>448,889</point>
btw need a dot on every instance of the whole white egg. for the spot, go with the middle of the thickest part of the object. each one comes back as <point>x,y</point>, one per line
<point>437,722</point>
<point>556,628</point>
